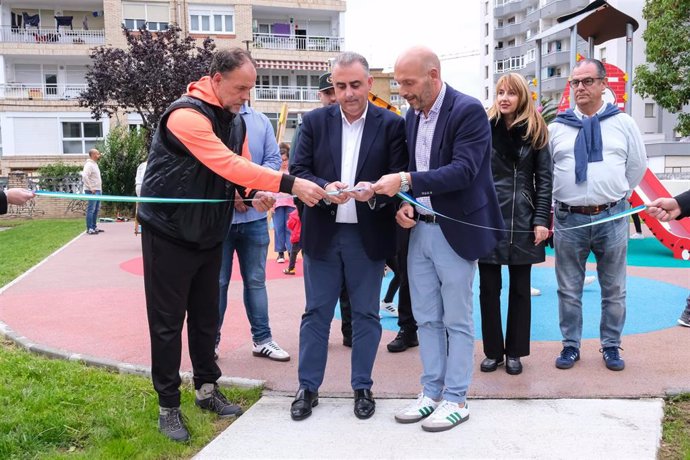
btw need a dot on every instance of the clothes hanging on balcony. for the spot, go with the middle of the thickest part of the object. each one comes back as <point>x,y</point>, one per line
<point>33,21</point>
<point>16,21</point>
<point>64,21</point>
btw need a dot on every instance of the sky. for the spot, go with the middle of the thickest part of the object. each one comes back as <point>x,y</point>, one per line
<point>381,29</point>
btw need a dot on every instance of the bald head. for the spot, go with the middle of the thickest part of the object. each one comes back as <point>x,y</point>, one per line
<point>418,72</point>
<point>420,56</point>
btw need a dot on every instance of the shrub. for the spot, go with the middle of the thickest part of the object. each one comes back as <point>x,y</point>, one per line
<point>123,150</point>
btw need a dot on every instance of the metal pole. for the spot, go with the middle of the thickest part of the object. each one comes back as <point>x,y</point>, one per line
<point>537,71</point>
<point>590,42</point>
<point>573,59</point>
<point>628,66</point>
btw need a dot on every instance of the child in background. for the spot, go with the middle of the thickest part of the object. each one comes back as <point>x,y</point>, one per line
<point>295,226</point>
<point>283,207</point>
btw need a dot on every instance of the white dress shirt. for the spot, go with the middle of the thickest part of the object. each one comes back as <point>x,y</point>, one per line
<point>351,142</point>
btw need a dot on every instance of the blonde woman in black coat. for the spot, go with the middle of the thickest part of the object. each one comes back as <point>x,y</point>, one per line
<point>521,166</point>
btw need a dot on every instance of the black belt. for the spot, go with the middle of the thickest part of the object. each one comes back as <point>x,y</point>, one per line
<point>428,218</point>
<point>588,210</point>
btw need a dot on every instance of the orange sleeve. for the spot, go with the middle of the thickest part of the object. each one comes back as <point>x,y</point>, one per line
<point>196,133</point>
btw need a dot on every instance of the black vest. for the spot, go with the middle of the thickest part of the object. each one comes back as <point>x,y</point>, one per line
<point>173,172</point>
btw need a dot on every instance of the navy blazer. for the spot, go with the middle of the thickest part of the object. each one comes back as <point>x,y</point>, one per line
<point>459,180</point>
<point>318,159</point>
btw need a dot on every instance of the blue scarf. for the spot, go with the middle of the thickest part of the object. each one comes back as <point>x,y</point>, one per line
<point>588,145</point>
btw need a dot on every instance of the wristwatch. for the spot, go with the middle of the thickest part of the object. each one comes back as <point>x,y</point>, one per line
<point>404,185</point>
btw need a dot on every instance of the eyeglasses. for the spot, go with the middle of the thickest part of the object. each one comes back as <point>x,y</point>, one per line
<point>586,81</point>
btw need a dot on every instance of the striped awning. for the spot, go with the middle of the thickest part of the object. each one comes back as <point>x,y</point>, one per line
<point>292,65</point>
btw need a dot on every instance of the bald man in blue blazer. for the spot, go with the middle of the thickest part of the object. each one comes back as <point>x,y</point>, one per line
<point>449,140</point>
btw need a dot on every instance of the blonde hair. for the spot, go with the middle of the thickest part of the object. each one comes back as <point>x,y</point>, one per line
<point>537,132</point>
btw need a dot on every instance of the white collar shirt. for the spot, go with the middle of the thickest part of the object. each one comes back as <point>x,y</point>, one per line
<point>425,136</point>
<point>350,145</point>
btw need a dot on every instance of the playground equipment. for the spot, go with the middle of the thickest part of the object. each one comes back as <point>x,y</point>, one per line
<point>675,235</point>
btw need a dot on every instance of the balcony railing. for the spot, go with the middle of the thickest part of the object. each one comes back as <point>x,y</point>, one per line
<point>286,93</point>
<point>49,36</point>
<point>291,42</point>
<point>36,92</point>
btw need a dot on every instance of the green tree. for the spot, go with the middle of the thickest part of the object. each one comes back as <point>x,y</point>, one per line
<point>666,76</point>
<point>123,150</point>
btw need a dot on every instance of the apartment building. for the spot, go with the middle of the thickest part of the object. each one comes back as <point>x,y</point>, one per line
<point>507,46</point>
<point>44,54</point>
<point>508,27</point>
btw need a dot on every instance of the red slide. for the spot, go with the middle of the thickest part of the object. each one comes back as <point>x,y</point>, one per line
<point>675,235</point>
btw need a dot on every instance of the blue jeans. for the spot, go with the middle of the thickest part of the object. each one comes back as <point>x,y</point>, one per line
<point>281,241</point>
<point>441,292</point>
<point>250,240</point>
<point>92,208</point>
<point>609,243</point>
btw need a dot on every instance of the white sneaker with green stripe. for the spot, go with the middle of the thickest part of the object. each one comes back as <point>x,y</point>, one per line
<point>421,408</point>
<point>446,416</point>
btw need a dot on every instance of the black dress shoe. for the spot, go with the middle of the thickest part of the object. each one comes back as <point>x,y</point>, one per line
<point>513,366</point>
<point>304,401</point>
<point>490,364</point>
<point>364,404</point>
<point>403,341</point>
<point>347,341</point>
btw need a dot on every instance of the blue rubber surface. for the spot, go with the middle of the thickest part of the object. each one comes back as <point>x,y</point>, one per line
<point>651,305</point>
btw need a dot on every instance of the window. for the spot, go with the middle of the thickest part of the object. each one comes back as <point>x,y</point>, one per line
<point>602,54</point>
<point>80,136</point>
<point>511,42</point>
<point>215,19</point>
<point>486,92</point>
<point>486,8</point>
<point>486,71</point>
<point>486,29</point>
<point>649,110</point>
<point>152,16</point>
<point>486,50</point>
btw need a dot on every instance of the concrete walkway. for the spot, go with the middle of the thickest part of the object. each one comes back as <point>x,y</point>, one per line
<point>538,428</point>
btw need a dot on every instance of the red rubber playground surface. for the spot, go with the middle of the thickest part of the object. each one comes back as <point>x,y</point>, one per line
<point>88,298</point>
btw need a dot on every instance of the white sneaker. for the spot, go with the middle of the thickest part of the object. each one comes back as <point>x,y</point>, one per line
<point>637,236</point>
<point>534,291</point>
<point>389,307</point>
<point>271,350</point>
<point>421,408</point>
<point>446,416</point>
<point>280,260</point>
<point>589,280</point>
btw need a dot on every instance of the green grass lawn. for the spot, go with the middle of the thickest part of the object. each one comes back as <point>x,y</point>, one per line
<point>54,409</point>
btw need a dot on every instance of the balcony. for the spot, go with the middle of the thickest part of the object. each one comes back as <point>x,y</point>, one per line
<point>511,30</point>
<point>38,91</point>
<point>63,36</point>
<point>286,93</point>
<point>557,8</point>
<point>508,8</point>
<point>302,42</point>
<point>555,58</point>
<point>554,84</point>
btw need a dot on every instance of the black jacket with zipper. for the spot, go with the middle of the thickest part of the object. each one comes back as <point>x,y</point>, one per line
<point>523,180</point>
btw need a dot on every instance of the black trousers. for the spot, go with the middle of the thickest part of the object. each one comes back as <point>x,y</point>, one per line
<point>398,265</point>
<point>517,339</point>
<point>179,282</point>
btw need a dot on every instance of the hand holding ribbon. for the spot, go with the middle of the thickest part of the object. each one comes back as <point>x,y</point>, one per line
<point>387,185</point>
<point>263,201</point>
<point>362,191</point>
<point>664,209</point>
<point>405,216</point>
<point>337,197</point>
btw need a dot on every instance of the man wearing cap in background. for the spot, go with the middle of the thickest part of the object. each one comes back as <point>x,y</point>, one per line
<point>327,97</point>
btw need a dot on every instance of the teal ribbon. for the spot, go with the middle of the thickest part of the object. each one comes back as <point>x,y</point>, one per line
<point>125,199</point>
<point>409,199</point>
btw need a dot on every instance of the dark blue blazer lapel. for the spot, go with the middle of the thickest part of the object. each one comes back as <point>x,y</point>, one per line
<point>372,124</point>
<point>335,131</point>
<point>412,125</point>
<point>441,123</point>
